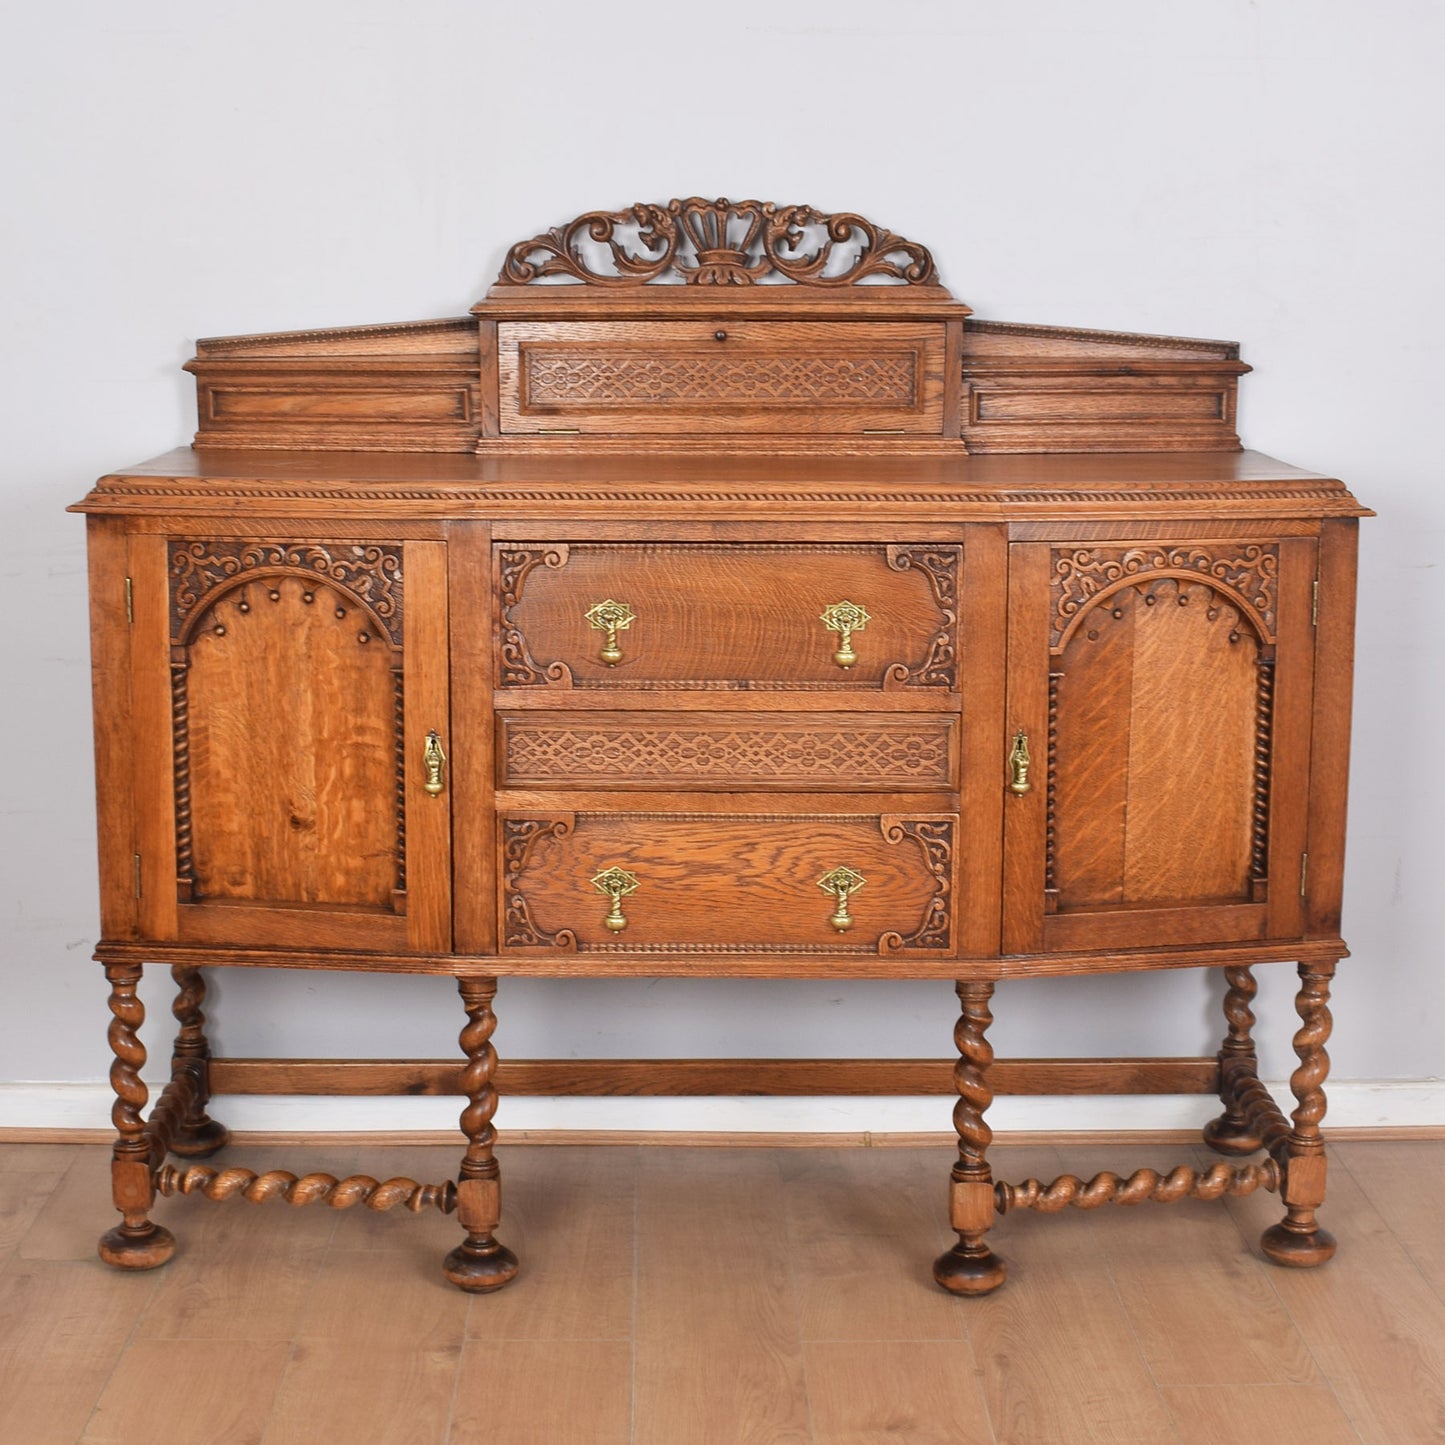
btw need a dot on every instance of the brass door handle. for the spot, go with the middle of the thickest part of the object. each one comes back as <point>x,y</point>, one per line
<point>845,618</point>
<point>842,883</point>
<point>433,760</point>
<point>616,883</point>
<point>1018,764</point>
<point>611,617</point>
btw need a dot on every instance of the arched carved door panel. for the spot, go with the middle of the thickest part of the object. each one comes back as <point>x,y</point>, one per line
<point>301,679</point>
<point>1164,687</point>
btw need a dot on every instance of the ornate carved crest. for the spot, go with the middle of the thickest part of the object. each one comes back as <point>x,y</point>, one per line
<point>1083,576</point>
<point>719,243</point>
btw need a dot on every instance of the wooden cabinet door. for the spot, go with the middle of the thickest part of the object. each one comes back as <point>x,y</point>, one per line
<point>284,694</point>
<point>1163,689</point>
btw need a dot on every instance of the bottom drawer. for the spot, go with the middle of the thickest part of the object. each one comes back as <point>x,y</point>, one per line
<point>726,882</point>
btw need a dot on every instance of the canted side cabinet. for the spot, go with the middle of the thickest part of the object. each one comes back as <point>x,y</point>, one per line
<point>684,618</point>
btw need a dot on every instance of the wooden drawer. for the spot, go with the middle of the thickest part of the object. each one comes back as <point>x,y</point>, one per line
<point>726,883</point>
<point>834,752</point>
<point>720,376</point>
<point>727,615</point>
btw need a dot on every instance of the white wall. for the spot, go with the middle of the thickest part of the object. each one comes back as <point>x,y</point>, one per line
<point>1266,171</point>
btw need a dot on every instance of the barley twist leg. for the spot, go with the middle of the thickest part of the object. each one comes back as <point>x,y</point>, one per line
<point>137,1242</point>
<point>196,1135</point>
<point>479,1263</point>
<point>1231,1132</point>
<point>1298,1239</point>
<point>971,1267</point>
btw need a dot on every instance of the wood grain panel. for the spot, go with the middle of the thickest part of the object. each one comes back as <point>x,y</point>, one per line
<point>724,883</point>
<point>725,751</point>
<point>292,741</point>
<point>708,1077</point>
<point>1087,772</point>
<point>733,616</point>
<point>1191,725</point>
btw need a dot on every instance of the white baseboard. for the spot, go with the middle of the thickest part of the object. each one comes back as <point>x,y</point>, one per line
<point>1353,1104</point>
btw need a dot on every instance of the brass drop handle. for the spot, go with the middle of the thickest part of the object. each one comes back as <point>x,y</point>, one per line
<point>842,883</point>
<point>616,883</point>
<point>1018,764</point>
<point>845,618</point>
<point>433,759</point>
<point>611,617</point>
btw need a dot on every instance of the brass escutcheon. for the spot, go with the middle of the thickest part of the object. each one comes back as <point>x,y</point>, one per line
<point>616,883</point>
<point>433,759</point>
<point>841,883</point>
<point>845,618</point>
<point>611,617</point>
<point>1018,763</point>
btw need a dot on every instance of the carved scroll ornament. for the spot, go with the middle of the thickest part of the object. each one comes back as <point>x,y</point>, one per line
<point>718,243</point>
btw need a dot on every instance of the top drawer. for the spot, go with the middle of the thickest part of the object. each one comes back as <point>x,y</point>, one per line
<point>640,378</point>
<point>627,615</point>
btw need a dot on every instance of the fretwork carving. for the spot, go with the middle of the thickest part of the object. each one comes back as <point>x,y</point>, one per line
<point>516,665</point>
<point>1083,576</point>
<point>519,837</point>
<point>935,837</point>
<point>600,379</point>
<point>538,750</point>
<point>718,243</point>
<point>939,667</point>
<point>201,572</point>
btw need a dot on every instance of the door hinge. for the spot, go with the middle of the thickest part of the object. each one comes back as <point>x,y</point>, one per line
<point>136,858</point>
<point>1315,605</point>
<point>1304,872</point>
<point>129,602</point>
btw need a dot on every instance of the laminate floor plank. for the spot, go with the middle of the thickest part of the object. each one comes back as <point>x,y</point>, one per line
<point>244,1271</point>
<point>23,1199</point>
<point>374,1387</point>
<point>1279,1414</point>
<point>569,1216</point>
<point>63,1328</point>
<point>719,1357</point>
<point>185,1392</point>
<point>862,1255</point>
<point>1372,1321</point>
<point>1059,1358</point>
<point>923,1392</point>
<point>545,1392</point>
<point>1203,1307</point>
<point>775,1297</point>
<point>1405,1181</point>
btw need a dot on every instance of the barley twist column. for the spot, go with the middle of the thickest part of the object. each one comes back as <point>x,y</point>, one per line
<point>137,1242</point>
<point>971,1267</point>
<point>1298,1239</point>
<point>479,1263</point>
<point>197,1134</point>
<point>1231,1132</point>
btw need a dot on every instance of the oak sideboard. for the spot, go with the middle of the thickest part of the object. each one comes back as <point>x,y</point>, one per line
<point>721,598</point>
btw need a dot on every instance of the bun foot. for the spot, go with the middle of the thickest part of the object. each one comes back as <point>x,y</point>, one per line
<point>1295,1248</point>
<point>127,1248</point>
<point>202,1141</point>
<point>970,1269</point>
<point>480,1268</point>
<point>1232,1136</point>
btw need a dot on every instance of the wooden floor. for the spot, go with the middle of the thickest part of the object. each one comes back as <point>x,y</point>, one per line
<point>674,1296</point>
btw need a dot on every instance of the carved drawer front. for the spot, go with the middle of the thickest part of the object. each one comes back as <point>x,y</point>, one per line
<point>841,752</point>
<point>727,883</point>
<point>621,377</point>
<point>739,616</point>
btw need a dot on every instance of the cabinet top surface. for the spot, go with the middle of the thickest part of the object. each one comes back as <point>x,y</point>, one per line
<point>732,486</point>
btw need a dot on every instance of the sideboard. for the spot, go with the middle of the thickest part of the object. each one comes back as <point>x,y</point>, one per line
<point>720,597</point>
